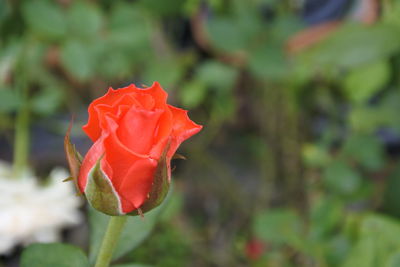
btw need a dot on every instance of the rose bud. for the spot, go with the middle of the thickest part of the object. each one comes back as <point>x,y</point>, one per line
<point>135,133</point>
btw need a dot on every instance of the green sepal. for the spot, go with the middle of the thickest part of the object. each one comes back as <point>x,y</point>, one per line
<point>73,157</point>
<point>159,188</point>
<point>100,192</point>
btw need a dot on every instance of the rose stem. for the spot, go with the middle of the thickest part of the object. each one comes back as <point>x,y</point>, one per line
<point>114,229</point>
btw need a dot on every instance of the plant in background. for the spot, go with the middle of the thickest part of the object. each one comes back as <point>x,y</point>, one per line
<point>311,102</point>
<point>30,211</point>
<point>127,170</point>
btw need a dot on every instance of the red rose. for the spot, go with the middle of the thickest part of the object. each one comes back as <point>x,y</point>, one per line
<point>135,134</point>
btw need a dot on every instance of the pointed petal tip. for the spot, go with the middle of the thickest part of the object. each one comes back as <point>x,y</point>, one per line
<point>156,84</point>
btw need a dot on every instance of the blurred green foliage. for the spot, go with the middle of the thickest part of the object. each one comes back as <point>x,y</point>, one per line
<point>300,149</point>
<point>55,254</point>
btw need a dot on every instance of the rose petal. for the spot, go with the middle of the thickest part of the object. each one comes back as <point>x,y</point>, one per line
<point>182,128</point>
<point>137,129</point>
<point>118,160</point>
<point>146,101</point>
<point>90,159</point>
<point>117,155</point>
<point>108,103</point>
<point>149,98</point>
<point>137,183</point>
<point>162,134</point>
<point>159,95</point>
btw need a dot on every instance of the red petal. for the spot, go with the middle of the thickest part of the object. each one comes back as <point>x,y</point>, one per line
<point>182,128</point>
<point>146,101</point>
<point>137,183</point>
<point>159,95</point>
<point>118,164</point>
<point>137,129</point>
<point>91,157</point>
<point>162,134</point>
<point>119,156</point>
<point>92,128</point>
<point>149,98</point>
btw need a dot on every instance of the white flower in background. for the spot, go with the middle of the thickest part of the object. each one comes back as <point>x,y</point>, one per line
<point>30,212</point>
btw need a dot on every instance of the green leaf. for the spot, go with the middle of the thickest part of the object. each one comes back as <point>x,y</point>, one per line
<point>393,260</point>
<point>341,178</point>
<point>391,203</point>
<point>223,106</point>
<point>315,155</point>
<point>129,28</point>
<point>47,100</point>
<point>326,214</point>
<point>53,254</point>
<point>218,75</point>
<point>193,93</point>
<point>115,64</point>
<point>378,243</point>
<point>389,110</point>
<point>363,82</point>
<point>136,230</point>
<point>166,72</point>
<point>8,57</point>
<point>337,248</point>
<point>365,120</point>
<point>284,27</point>
<point>84,20</point>
<point>269,62</point>
<point>384,113</point>
<point>238,30</point>
<point>174,205</point>
<point>354,45</point>
<point>9,100</point>
<point>163,8</point>
<point>362,254</point>
<point>366,150</point>
<point>387,228</point>
<point>32,61</point>
<point>45,19</point>
<point>390,12</point>
<point>225,34</point>
<point>77,59</point>
<point>278,227</point>
<point>131,265</point>
<point>5,10</point>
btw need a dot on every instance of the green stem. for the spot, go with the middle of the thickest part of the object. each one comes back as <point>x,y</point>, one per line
<point>21,141</point>
<point>21,135</point>
<point>110,239</point>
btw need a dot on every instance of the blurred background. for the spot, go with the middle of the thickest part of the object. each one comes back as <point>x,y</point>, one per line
<point>298,161</point>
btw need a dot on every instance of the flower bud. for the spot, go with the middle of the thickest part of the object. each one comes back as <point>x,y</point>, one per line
<point>135,134</point>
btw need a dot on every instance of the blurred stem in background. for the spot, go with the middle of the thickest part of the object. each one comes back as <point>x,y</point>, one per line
<point>21,136</point>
